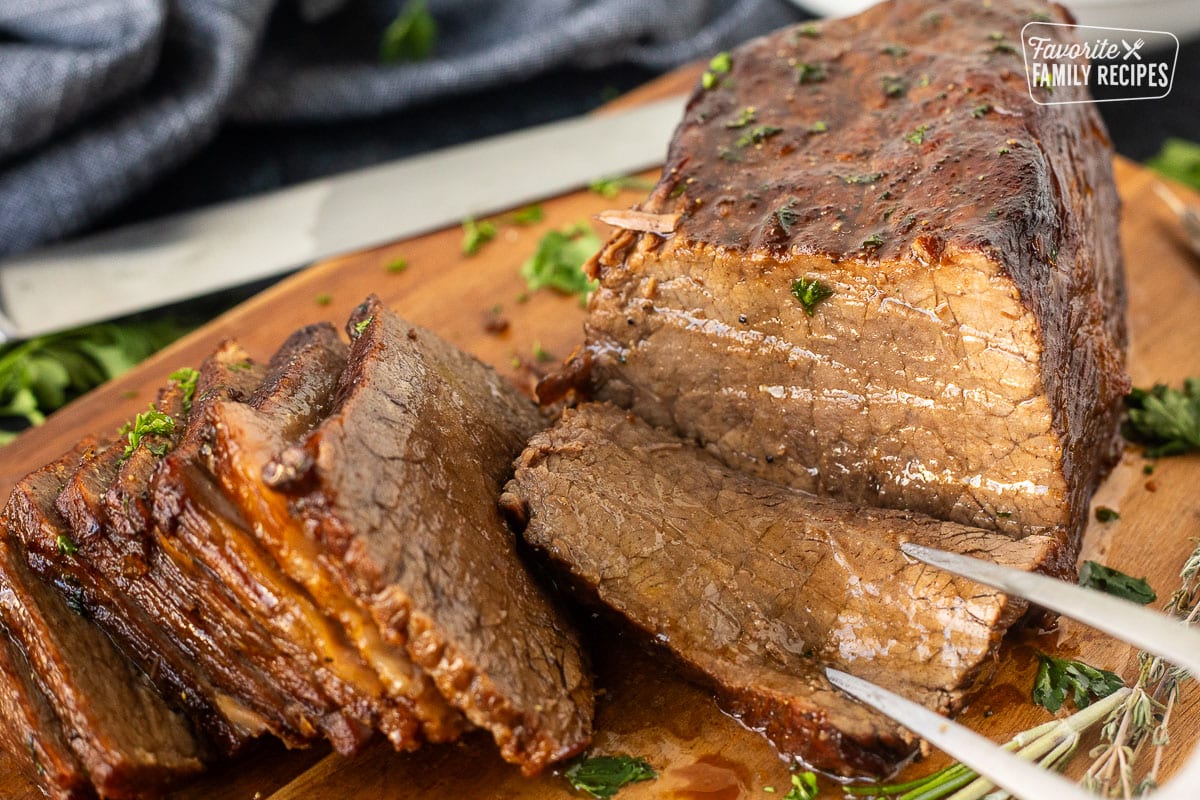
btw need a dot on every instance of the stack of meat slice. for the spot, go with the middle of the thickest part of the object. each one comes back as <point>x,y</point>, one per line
<point>308,548</point>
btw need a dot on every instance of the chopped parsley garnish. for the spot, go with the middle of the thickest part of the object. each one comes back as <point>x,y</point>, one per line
<point>743,118</point>
<point>323,299</point>
<point>1165,420</point>
<point>810,31</point>
<point>757,135</point>
<point>1106,514</point>
<point>894,86</point>
<point>820,126</point>
<point>896,50</point>
<point>873,241</point>
<point>868,177</point>
<point>186,377</point>
<point>1058,677</point>
<point>611,187</point>
<point>558,261</point>
<point>396,265</point>
<point>151,422</point>
<point>603,776</point>
<point>476,235</point>
<point>810,73</point>
<point>1179,160</point>
<point>720,64</point>
<point>411,36</point>
<point>361,326</point>
<point>729,154</point>
<point>541,353</point>
<point>1117,583</point>
<point>980,110</point>
<point>810,293</point>
<point>66,546</point>
<point>528,215</point>
<point>918,135</point>
<point>804,787</point>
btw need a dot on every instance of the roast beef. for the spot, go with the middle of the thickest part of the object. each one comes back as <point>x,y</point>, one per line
<point>242,440</point>
<point>756,586</point>
<point>969,361</point>
<point>127,740</point>
<point>397,492</point>
<point>30,730</point>
<point>198,520</point>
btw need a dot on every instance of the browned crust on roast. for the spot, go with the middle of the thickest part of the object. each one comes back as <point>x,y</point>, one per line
<point>932,146</point>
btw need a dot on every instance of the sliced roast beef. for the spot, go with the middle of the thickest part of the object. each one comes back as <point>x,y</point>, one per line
<point>125,737</point>
<point>30,731</point>
<point>396,488</point>
<point>968,361</point>
<point>757,586</point>
<point>243,439</point>
<point>273,677</point>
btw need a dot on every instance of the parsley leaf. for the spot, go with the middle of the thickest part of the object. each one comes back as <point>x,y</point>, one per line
<point>1106,514</point>
<point>1179,160</point>
<point>757,135</point>
<point>528,215</point>
<point>476,235</point>
<point>1058,676</point>
<point>558,261</point>
<point>411,36</point>
<point>151,422</point>
<point>1117,583</point>
<point>1165,420</point>
<point>186,377</point>
<point>66,545</point>
<point>361,326</point>
<point>804,787</point>
<point>42,374</point>
<point>611,187</point>
<point>810,293</point>
<point>603,776</point>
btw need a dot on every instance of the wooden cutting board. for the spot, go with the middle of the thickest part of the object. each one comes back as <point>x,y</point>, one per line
<point>645,708</point>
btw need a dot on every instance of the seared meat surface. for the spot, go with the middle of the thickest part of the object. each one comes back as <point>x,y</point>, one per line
<point>126,739</point>
<point>969,362</point>
<point>389,487</point>
<point>757,587</point>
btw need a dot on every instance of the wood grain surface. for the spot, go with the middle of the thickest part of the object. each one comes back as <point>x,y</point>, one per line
<point>646,708</point>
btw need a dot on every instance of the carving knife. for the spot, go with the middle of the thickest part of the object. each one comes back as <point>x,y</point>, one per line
<point>167,260</point>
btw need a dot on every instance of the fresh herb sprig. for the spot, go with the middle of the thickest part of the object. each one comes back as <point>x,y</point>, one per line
<point>804,787</point>
<point>1179,160</point>
<point>1114,582</point>
<point>1059,677</point>
<point>40,375</point>
<point>411,36</point>
<point>558,261</point>
<point>1165,420</point>
<point>476,233</point>
<point>810,293</point>
<point>1050,745</point>
<point>151,422</point>
<point>1143,717</point>
<point>604,776</point>
<point>612,186</point>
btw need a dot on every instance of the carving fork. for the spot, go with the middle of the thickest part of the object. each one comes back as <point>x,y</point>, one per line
<point>1151,631</point>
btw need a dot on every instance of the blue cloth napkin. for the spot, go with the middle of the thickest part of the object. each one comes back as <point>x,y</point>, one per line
<point>99,99</point>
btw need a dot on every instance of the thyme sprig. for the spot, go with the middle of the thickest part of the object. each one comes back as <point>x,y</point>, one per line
<point>1142,720</point>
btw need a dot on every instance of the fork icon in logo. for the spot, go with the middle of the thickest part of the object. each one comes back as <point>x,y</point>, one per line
<point>1132,50</point>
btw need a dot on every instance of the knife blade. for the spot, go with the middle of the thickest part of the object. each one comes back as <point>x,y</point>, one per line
<point>167,260</point>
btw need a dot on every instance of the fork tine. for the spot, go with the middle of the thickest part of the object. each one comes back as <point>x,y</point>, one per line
<point>1148,630</point>
<point>1012,773</point>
